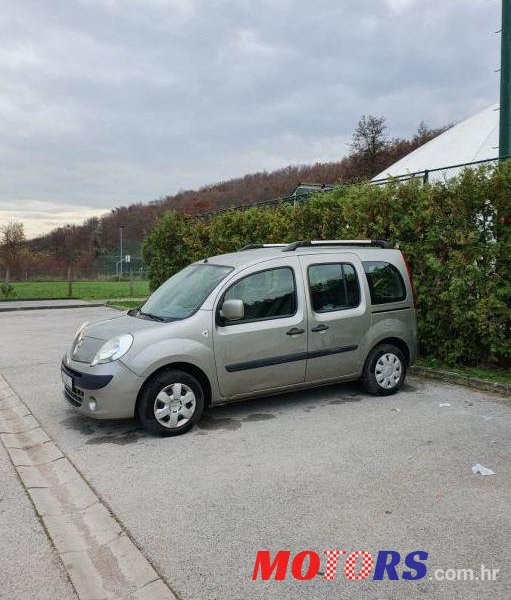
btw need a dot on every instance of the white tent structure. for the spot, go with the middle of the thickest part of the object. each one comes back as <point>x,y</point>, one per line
<point>476,138</point>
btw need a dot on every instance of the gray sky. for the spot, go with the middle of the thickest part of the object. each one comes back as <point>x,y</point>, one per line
<point>108,102</point>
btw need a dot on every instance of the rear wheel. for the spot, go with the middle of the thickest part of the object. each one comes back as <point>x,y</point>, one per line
<point>171,403</point>
<point>384,370</point>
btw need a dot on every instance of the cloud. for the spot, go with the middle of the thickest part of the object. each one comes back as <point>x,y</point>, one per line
<point>399,6</point>
<point>106,102</point>
<point>247,42</point>
<point>41,217</point>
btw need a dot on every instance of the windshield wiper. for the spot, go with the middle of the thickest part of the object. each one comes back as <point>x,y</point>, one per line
<point>153,317</point>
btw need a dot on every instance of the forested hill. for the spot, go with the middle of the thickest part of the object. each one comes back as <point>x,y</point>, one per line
<point>371,152</point>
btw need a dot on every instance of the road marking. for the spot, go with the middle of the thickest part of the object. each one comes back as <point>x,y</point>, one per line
<point>98,555</point>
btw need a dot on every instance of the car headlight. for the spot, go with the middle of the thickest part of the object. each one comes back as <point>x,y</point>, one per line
<point>113,349</point>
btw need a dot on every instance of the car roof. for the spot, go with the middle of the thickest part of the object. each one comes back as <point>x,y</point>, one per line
<point>254,255</point>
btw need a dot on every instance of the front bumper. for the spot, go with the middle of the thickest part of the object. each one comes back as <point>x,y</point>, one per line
<point>108,394</point>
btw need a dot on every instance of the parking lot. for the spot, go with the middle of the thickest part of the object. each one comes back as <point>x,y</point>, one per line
<point>330,468</point>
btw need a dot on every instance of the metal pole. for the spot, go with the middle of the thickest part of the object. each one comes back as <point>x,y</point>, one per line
<point>505,82</point>
<point>121,227</point>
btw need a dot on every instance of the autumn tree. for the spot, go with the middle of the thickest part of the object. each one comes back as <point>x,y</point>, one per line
<point>12,241</point>
<point>425,133</point>
<point>369,140</point>
<point>67,246</point>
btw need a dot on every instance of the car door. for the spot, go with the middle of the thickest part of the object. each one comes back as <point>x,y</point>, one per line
<point>267,347</point>
<point>339,319</point>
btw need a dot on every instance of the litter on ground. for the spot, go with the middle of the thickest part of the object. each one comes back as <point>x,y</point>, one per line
<point>479,469</point>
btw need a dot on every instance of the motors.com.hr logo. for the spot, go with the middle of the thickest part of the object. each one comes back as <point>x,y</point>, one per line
<point>360,564</point>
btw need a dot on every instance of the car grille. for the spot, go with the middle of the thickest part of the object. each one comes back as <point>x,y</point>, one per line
<point>74,397</point>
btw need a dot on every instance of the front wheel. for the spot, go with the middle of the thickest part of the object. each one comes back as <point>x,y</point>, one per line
<point>384,370</point>
<point>171,403</point>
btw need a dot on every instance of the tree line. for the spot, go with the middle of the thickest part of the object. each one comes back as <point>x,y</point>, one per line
<point>66,251</point>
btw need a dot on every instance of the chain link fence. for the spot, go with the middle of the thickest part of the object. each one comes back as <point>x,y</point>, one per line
<point>437,174</point>
<point>106,267</point>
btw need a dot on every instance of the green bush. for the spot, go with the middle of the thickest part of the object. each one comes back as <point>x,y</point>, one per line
<point>8,291</point>
<point>455,234</point>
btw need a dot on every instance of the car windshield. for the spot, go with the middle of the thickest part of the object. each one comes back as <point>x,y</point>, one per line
<point>182,294</point>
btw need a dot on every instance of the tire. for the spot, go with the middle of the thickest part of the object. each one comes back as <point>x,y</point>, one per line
<point>384,370</point>
<point>160,410</point>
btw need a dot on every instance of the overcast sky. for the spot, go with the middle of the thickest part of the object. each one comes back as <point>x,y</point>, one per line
<point>108,102</point>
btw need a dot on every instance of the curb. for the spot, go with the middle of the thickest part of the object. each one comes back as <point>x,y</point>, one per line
<point>115,306</point>
<point>35,299</point>
<point>503,389</point>
<point>100,558</point>
<point>51,307</point>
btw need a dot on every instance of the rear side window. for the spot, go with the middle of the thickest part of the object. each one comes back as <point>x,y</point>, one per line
<point>385,282</point>
<point>268,294</point>
<point>333,286</point>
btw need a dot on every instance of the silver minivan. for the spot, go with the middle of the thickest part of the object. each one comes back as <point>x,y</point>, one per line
<point>268,319</point>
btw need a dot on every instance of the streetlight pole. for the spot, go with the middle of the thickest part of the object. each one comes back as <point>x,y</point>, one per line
<point>505,82</point>
<point>121,227</point>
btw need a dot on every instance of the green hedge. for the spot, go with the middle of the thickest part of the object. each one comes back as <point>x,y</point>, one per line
<point>455,234</point>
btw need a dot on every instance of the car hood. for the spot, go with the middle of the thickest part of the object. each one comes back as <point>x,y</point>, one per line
<point>94,335</point>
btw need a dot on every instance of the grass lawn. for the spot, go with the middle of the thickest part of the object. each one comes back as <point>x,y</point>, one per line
<point>493,374</point>
<point>84,290</point>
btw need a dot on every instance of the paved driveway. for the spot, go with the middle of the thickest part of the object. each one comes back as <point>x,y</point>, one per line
<point>331,468</point>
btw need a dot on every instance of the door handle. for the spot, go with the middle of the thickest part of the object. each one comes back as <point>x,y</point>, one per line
<point>320,327</point>
<point>295,331</point>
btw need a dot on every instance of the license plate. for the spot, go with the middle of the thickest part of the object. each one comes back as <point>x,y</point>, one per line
<point>67,380</point>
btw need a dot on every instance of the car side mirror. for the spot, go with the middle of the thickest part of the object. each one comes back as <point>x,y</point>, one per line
<point>232,310</point>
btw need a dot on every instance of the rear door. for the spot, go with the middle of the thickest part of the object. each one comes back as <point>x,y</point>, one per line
<point>268,347</point>
<point>339,320</point>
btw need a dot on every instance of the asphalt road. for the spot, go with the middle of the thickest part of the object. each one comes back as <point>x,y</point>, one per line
<point>331,468</point>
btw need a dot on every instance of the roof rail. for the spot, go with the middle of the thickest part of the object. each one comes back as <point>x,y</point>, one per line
<point>256,246</point>
<point>309,243</point>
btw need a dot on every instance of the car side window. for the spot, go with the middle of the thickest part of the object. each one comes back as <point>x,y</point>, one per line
<point>385,282</point>
<point>268,294</point>
<point>333,286</point>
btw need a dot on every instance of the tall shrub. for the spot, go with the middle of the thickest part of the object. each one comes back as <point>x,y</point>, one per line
<point>455,234</point>
<point>174,242</point>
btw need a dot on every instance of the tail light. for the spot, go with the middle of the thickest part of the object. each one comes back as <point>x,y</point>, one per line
<point>411,279</point>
